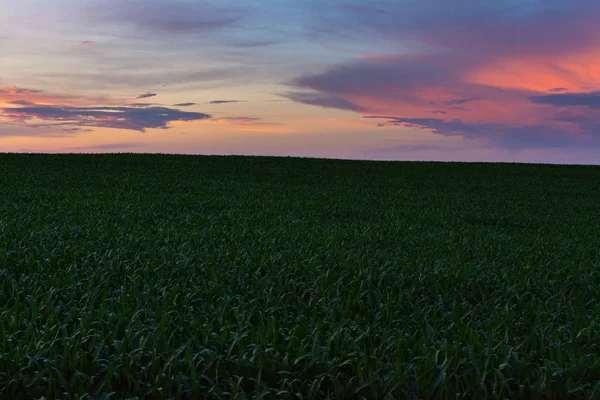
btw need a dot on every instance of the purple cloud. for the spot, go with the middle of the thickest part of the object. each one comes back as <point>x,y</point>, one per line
<point>225,101</point>
<point>184,104</point>
<point>591,100</point>
<point>585,122</point>
<point>132,118</point>
<point>382,76</point>
<point>322,100</point>
<point>146,95</point>
<point>499,134</point>
<point>457,102</point>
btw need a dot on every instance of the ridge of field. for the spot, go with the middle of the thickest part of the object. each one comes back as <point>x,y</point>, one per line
<point>162,276</point>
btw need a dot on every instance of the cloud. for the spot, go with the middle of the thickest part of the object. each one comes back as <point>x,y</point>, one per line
<point>246,121</point>
<point>252,124</point>
<point>185,76</point>
<point>588,123</point>
<point>24,96</point>
<point>254,43</point>
<point>184,104</point>
<point>141,105</point>
<point>161,17</point>
<point>146,95</point>
<point>21,102</point>
<point>20,130</point>
<point>467,26</point>
<point>558,89</point>
<point>436,56</point>
<point>382,76</point>
<point>77,130</point>
<point>85,42</point>
<point>505,135</point>
<point>133,118</point>
<point>322,100</point>
<point>456,102</point>
<point>411,82</point>
<point>414,148</point>
<point>100,147</point>
<point>591,99</point>
<point>225,101</point>
<point>240,119</point>
<point>14,90</point>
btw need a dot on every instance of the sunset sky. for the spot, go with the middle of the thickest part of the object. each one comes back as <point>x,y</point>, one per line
<point>463,80</point>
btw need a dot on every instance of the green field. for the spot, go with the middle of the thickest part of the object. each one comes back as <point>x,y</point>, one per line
<point>239,277</point>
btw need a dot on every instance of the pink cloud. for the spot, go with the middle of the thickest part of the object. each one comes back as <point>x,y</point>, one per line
<point>479,67</point>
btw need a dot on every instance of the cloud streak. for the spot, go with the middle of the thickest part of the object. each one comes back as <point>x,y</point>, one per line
<point>23,96</point>
<point>225,101</point>
<point>456,102</point>
<point>184,104</point>
<point>174,17</point>
<point>146,95</point>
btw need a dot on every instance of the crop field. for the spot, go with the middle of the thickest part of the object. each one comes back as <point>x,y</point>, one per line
<point>189,277</point>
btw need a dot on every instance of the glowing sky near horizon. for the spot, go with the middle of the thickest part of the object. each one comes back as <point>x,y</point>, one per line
<point>462,80</point>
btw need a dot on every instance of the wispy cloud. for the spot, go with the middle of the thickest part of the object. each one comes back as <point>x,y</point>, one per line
<point>251,124</point>
<point>101,147</point>
<point>14,90</point>
<point>77,130</point>
<point>23,96</point>
<point>167,16</point>
<point>245,121</point>
<point>225,101</point>
<point>146,95</point>
<point>184,104</point>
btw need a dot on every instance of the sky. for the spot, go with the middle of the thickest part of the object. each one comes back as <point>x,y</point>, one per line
<point>460,80</point>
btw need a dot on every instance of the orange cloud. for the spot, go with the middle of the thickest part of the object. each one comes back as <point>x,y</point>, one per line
<point>570,72</point>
